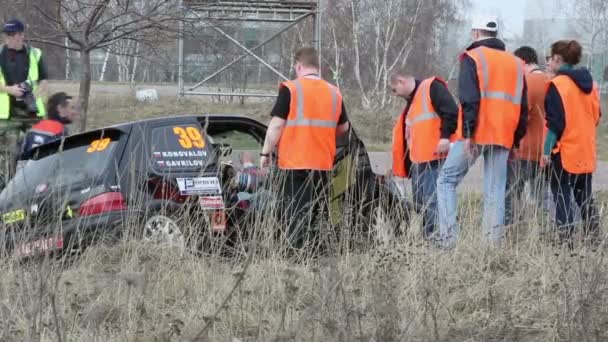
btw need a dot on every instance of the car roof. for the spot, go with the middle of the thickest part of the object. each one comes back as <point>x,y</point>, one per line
<point>127,125</point>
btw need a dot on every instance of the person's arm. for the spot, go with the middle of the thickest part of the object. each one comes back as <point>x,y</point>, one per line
<point>469,95</point>
<point>522,125</point>
<point>556,121</point>
<point>279,114</point>
<point>273,134</point>
<point>343,123</point>
<point>446,108</point>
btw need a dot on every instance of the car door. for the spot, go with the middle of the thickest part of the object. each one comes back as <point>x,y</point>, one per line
<point>352,175</point>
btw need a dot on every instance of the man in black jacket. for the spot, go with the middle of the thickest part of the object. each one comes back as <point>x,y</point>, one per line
<point>492,92</point>
<point>428,138</point>
<point>19,64</point>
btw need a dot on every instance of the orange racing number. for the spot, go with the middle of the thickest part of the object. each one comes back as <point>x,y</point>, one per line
<point>98,145</point>
<point>189,136</point>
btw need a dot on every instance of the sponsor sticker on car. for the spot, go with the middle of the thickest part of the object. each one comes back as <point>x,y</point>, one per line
<point>218,221</point>
<point>212,202</point>
<point>38,246</point>
<point>13,216</point>
<point>199,186</point>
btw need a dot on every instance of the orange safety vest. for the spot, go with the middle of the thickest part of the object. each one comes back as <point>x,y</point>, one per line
<point>531,145</point>
<point>400,148</point>
<point>420,129</point>
<point>576,146</point>
<point>308,141</point>
<point>501,83</point>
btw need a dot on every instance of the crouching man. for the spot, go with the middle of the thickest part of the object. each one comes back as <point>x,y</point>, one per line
<point>422,135</point>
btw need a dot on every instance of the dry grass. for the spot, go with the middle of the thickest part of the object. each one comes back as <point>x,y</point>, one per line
<point>404,291</point>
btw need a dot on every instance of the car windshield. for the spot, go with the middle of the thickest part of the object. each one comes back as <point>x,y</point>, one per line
<point>82,160</point>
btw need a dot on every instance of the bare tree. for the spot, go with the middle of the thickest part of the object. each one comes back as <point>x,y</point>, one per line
<point>591,21</point>
<point>375,37</point>
<point>100,24</point>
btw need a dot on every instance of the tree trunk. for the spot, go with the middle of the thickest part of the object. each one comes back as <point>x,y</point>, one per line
<point>104,66</point>
<point>67,59</point>
<point>135,60</point>
<point>85,87</point>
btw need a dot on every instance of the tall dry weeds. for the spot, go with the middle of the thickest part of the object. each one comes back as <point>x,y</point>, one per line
<point>401,291</point>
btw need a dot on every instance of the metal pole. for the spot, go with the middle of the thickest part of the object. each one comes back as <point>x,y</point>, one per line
<point>318,34</point>
<point>295,22</point>
<point>180,48</point>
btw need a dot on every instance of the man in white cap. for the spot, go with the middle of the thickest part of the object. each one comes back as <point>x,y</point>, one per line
<point>492,93</point>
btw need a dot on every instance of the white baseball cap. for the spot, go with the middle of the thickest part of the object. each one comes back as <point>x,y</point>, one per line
<point>485,22</point>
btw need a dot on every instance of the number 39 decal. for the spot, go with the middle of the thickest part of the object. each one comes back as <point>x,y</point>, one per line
<point>98,145</point>
<point>189,136</point>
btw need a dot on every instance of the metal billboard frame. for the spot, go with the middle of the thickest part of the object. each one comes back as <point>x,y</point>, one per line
<point>266,11</point>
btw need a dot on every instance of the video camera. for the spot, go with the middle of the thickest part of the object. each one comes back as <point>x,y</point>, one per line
<point>28,97</point>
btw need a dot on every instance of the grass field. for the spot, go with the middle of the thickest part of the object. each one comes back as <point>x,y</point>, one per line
<point>528,290</point>
<point>375,128</point>
<point>403,291</point>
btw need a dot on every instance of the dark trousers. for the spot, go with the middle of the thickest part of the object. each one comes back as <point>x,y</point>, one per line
<point>305,198</point>
<point>424,189</point>
<point>518,173</point>
<point>563,186</point>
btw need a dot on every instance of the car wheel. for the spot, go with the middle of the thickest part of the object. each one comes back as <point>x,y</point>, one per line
<point>164,231</point>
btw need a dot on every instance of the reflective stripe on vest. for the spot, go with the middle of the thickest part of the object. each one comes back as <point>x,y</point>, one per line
<point>498,95</point>
<point>577,144</point>
<point>500,74</point>
<point>308,141</point>
<point>423,125</point>
<point>301,120</point>
<point>33,75</point>
<point>427,114</point>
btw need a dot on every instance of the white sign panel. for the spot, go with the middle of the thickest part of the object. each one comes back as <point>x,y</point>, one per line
<point>199,186</point>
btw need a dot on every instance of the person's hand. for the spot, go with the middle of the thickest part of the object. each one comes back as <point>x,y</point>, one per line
<point>513,154</point>
<point>470,148</point>
<point>14,90</point>
<point>545,160</point>
<point>443,147</point>
<point>264,162</point>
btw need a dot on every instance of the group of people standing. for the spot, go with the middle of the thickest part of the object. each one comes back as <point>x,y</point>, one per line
<point>528,124</point>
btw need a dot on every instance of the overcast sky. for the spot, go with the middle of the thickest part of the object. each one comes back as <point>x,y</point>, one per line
<point>512,13</point>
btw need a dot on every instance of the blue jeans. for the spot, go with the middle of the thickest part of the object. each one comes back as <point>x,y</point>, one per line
<point>424,188</point>
<point>455,168</point>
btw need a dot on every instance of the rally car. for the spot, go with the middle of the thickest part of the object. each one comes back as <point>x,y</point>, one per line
<point>168,180</point>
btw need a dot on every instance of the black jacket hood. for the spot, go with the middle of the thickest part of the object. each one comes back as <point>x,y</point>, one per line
<point>492,43</point>
<point>581,77</point>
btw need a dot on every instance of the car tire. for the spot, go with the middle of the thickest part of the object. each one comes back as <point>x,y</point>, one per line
<point>164,231</point>
<point>387,218</point>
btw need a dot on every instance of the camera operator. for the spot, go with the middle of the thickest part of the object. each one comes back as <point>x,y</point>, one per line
<point>23,86</point>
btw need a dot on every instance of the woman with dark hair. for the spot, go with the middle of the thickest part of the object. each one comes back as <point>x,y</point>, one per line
<point>573,113</point>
